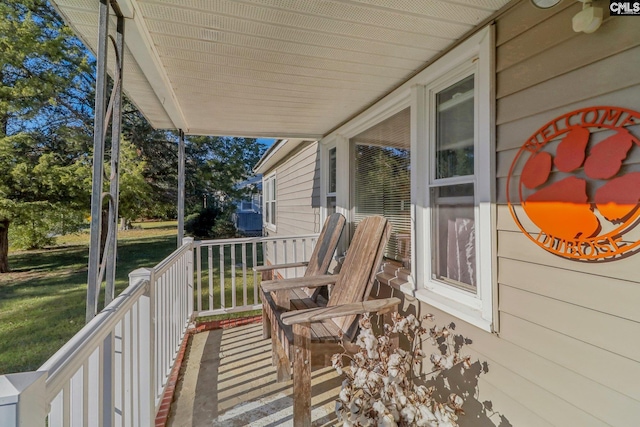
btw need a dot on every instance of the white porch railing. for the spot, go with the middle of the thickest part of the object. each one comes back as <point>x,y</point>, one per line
<point>114,371</point>
<point>224,269</point>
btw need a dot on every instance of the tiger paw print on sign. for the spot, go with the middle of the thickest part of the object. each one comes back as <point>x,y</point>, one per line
<point>575,185</point>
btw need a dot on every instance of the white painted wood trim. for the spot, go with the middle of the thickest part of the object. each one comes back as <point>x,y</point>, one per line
<point>476,309</point>
<point>272,176</point>
<point>138,40</point>
<point>474,55</point>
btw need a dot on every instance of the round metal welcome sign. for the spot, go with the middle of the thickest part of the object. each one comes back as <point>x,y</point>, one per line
<point>574,187</point>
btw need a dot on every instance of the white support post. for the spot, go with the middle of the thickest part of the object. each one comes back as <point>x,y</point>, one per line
<point>181,184</point>
<point>146,337</point>
<point>23,399</point>
<point>190,284</point>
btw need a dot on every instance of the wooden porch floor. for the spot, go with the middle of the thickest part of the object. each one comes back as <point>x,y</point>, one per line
<point>227,380</point>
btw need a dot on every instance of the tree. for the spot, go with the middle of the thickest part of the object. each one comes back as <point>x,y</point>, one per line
<point>136,194</point>
<point>46,123</point>
<point>216,164</point>
<point>158,150</point>
<point>45,93</point>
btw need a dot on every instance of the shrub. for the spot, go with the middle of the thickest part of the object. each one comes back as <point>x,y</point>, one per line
<point>211,223</point>
<point>199,224</point>
<point>36,224</point>
<point>224,229</point>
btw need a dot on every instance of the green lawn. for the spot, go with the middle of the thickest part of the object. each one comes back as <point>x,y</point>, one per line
<point>215,273</point>
<point>42,300</point>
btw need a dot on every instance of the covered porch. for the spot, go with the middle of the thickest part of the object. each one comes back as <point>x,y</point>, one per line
<point>147,359</point>
<point>285,70</point>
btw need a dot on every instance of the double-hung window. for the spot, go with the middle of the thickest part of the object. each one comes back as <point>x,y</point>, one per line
<point>269,197</point>
<point>423,158</point>
<point>455,171</point>
<point>451,188</point>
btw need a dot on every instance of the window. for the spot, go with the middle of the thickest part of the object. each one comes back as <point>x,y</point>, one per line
<point>453,246</point>
<point>382,180</point>
<point>269,214</point>
<point>423,157</point>
<point>331,184</point>
<point>246,206</point>
<point>454,169</point>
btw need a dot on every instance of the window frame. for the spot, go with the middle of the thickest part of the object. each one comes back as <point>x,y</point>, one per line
<point>331,194</point>
<point>353,149</point>
<point>476,308</point>
<point>269,188</point>
<point>475,51</point>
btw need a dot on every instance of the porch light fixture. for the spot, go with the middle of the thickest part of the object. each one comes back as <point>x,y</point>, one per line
<point>588,19</point>
<point>545,4</point>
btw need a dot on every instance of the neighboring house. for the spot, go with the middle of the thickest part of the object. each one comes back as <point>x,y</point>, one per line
<point>531,277</point>
<point>248,215</point>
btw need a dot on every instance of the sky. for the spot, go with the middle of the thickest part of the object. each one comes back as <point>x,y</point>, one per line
<point>267,142</point>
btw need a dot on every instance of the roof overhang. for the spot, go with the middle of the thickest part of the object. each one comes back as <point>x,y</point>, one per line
<point>274,68</point>
<point>278,152</point>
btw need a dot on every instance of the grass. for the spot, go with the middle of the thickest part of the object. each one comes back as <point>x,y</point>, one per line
<point>42,300</point>
<point>214,271</point>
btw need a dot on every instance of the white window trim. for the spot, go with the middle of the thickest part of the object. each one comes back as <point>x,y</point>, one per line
<point>477,49</point>
<point>473,56</point>
<point>265,199</point>
<point>324,181</point>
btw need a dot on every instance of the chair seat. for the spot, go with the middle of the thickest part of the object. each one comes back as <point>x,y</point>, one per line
<point>321,332</point>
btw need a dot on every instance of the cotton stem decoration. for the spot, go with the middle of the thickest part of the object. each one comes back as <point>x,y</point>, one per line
<point>380,387</point>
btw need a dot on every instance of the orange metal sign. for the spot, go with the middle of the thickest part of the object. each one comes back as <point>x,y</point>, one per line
<point>570,189</point>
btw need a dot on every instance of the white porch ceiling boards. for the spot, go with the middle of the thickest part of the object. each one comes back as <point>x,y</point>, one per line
<point>279,68</point>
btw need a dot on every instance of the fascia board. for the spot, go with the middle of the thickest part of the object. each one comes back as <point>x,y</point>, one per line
<point>138,40</point>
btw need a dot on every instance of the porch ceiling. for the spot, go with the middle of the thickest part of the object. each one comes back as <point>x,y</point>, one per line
<point>273,68</point>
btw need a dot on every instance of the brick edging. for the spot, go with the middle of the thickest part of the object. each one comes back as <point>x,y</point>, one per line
<point>167,397</point>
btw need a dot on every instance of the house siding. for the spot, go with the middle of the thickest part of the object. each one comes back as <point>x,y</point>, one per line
<point>297,204</point>
<point>297,183</point>
<point>566,352</point>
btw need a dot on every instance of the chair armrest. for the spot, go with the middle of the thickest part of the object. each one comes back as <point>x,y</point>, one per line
<point>299,282</point>
<point>322,313</point>
<point>261,268</point>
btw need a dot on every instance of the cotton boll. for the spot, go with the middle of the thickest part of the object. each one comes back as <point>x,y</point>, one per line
<point>336,362</point>
<point>408,414</point>
<point>379,407</point>
<point>455,400</point>
<point>345,395</point>
<point>387,421</point>
<point>360,378</point>
<point>425,416</point>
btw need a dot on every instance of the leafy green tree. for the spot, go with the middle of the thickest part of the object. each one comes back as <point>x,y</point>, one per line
<point>45,93</point>
<point>215,165</point>
<point>158,150</point>
<point>46,126</point>
<point>136,194</point>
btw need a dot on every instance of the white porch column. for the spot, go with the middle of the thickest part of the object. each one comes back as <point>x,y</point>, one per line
<point>181,180</point>
<point>190,283</point>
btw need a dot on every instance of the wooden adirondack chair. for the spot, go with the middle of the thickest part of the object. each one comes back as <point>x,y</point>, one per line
<point>311,333</point>
<point>318,263</point>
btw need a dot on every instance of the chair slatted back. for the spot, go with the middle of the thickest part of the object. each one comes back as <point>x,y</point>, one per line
<point>360,267</point>
<point>326,245</point>
<point>323,251</point>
